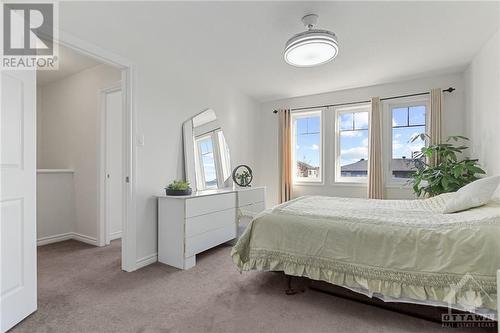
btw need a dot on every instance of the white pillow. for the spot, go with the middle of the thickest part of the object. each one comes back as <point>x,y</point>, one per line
<point>472,195</point>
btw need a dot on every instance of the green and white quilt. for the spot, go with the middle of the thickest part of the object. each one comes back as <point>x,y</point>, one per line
<point>399,249</point>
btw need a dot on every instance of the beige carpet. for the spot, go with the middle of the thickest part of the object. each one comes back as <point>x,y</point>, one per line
<point>82,289</point>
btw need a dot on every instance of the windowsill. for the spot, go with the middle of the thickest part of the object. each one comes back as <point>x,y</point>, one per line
<point>311,183</point>
<point>350,184</point>
<point>402,186</point>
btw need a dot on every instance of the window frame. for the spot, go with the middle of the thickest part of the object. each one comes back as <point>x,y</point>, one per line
<point>387,138</point>
<point>306,114</point>
<point>199,169</point>
<point>199,165</point>
<point>338,179</point>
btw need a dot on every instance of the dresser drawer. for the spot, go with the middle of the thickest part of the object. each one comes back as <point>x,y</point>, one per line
<point>202,242</point>
<point>252,209</point>
<point>203,223</point>
<point>209,204</point>
<point>249,196</point>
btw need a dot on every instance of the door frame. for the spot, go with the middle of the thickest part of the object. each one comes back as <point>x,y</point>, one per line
<point>103,237</point>
<point>127,68</point>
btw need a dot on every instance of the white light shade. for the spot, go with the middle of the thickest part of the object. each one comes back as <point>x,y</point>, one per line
<point>311,48</point>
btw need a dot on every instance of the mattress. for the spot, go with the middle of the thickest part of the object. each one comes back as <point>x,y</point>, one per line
<point>394,249</point>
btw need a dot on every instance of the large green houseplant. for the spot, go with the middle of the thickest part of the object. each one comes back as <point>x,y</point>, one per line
<point>439,169</point>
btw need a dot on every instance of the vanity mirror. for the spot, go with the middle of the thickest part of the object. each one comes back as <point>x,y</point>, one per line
<point>206,154</point>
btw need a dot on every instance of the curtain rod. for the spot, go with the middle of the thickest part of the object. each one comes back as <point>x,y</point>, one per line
<point>449,90</point>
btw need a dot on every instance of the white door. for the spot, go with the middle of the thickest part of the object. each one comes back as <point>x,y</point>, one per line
<point>114,164</point>
<point>17,196</point>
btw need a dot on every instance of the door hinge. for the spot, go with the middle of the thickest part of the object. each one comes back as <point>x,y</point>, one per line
<point>127,180</point>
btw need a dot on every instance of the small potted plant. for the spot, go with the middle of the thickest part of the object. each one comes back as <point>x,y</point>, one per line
<point>178,187</point>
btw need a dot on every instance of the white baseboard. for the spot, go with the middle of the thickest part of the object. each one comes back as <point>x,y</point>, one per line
<point>66,236</point>
<point>54,239</point>
<point>115,235</point>
<point>85,239</point>
<point>147,260</point>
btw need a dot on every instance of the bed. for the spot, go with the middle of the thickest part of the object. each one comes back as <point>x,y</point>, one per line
<point>395,250</point>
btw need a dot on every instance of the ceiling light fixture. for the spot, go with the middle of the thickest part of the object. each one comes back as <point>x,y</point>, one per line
<point>312,47</point>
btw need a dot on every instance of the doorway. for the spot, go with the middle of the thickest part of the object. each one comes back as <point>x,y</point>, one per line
<point>112,162</point>
<point>114,158</point>
<point>18,97</point>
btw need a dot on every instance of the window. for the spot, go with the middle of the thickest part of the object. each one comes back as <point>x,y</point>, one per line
<point>207,161</point>
<point>306,146</point>
<point>352,143</point>
<point>407,121</point>
<point>213,161</point>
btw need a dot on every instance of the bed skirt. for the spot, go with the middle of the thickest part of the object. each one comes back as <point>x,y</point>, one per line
<point>467,293</point>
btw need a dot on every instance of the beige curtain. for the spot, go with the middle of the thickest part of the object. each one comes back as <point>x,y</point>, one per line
<point>285,154</point>
<point>435,119</point>
<point>375,170</point>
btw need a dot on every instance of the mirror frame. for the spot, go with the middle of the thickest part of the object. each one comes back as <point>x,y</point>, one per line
<point>189,158</point>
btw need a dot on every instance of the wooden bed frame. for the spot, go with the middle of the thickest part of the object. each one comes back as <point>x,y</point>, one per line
<point>426,312</point>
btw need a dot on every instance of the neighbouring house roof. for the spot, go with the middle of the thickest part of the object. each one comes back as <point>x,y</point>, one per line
<point>307,166</point>
<point>397,164</point>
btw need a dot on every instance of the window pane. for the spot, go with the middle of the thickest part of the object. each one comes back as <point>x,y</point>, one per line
<point>208,162</point>
<point>307,148</point>
<point>361,120</point>
<point>308,125</point>
<point>417,115</point>
<point>400,117</point>
<point>301,125</point>
<point>354,153</point>
<point>346,122</point>
<point>403,150</point>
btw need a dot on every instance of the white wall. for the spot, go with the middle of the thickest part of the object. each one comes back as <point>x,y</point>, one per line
<point>55,206</point>
<point>482,82</point>
<point>164,101</point>
<point>168,89</point>
<point>267,167</point>
<point>68,137</point>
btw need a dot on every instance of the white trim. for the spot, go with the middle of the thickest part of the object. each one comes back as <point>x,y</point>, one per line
<point>147,260</point>
<point>104,238</point>
<point>350,183</point>
<point>85,239</point>
<point>55,171</point>
<point>54,239</point>
<point>129,236</point>
<point>309,183</point>
<point>115,235</point>
<point>117,86</point>
<point>66,236</point>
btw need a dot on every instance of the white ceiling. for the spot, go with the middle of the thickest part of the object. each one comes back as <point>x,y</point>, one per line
<point>70,62</point>
<point>241,43</point>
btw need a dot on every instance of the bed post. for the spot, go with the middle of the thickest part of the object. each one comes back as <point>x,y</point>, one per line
<point>289,290</point>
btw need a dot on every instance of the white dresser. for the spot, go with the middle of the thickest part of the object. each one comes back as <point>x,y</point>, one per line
<point>188,225</point>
